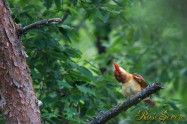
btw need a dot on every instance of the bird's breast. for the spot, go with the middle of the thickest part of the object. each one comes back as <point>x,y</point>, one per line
<point>131,87</point>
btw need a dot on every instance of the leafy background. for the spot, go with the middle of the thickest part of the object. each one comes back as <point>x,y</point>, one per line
<point>72,62</point>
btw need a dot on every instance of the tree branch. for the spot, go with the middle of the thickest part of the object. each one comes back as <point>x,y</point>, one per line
<point>42,22</point>
<point>114,111</point>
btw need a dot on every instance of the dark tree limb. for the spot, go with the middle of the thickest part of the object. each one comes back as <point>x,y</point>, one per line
<point>102,118</point>
<point>42,22</point>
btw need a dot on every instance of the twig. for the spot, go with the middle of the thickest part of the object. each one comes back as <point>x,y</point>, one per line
<point>102,118</point>
<point>42,22</point>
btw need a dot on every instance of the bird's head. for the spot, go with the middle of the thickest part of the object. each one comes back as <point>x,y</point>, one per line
<point>120,74</point>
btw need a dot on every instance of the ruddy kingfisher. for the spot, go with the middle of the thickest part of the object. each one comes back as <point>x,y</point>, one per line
<point>131,83</point>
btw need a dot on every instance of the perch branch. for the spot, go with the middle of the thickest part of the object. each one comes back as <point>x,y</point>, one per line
<point>42,22</point>
<point>103,117</point>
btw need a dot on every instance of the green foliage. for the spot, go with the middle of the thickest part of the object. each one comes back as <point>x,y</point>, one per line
<point>75,82</point>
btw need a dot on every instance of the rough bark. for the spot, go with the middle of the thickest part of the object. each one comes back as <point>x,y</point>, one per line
<point>103,117</point>
<point>18,101</point>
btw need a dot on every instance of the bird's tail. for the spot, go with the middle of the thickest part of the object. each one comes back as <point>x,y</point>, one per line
<point>150,101</point>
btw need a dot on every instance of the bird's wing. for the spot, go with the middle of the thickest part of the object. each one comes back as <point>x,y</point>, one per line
<point>140,80</point>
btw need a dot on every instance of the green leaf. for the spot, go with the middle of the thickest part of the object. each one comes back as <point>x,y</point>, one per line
<point>72,52</point>
<point>103,15</point>
<point>86,90</point>
<point>173,105</point>
<point>73,10</point>
<point>72,64</point>
<point>110,10</point>
<point>48,3</point>
<point>106,17</point>
<point>70,112</point>
<point>67,27</point>
<point>65,34</point>
<point>85,72</point>
<point>64,84</point>
<point>52,94</point>
<point>74,2</point>
<point>58,3</point>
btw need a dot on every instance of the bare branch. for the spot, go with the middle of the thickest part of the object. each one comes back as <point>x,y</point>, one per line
<point>102,118</point>
<point>42,22</point>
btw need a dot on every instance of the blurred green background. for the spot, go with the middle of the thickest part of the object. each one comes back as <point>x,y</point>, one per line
<point>72,62</point>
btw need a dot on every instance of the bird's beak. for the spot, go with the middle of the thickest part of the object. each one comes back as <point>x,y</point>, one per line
<point>116,67</point>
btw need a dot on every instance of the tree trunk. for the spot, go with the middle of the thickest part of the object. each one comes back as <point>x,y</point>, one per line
<point>18,101</point>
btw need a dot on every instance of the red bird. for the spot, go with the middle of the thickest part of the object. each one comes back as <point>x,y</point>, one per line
<point>131,83</point>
